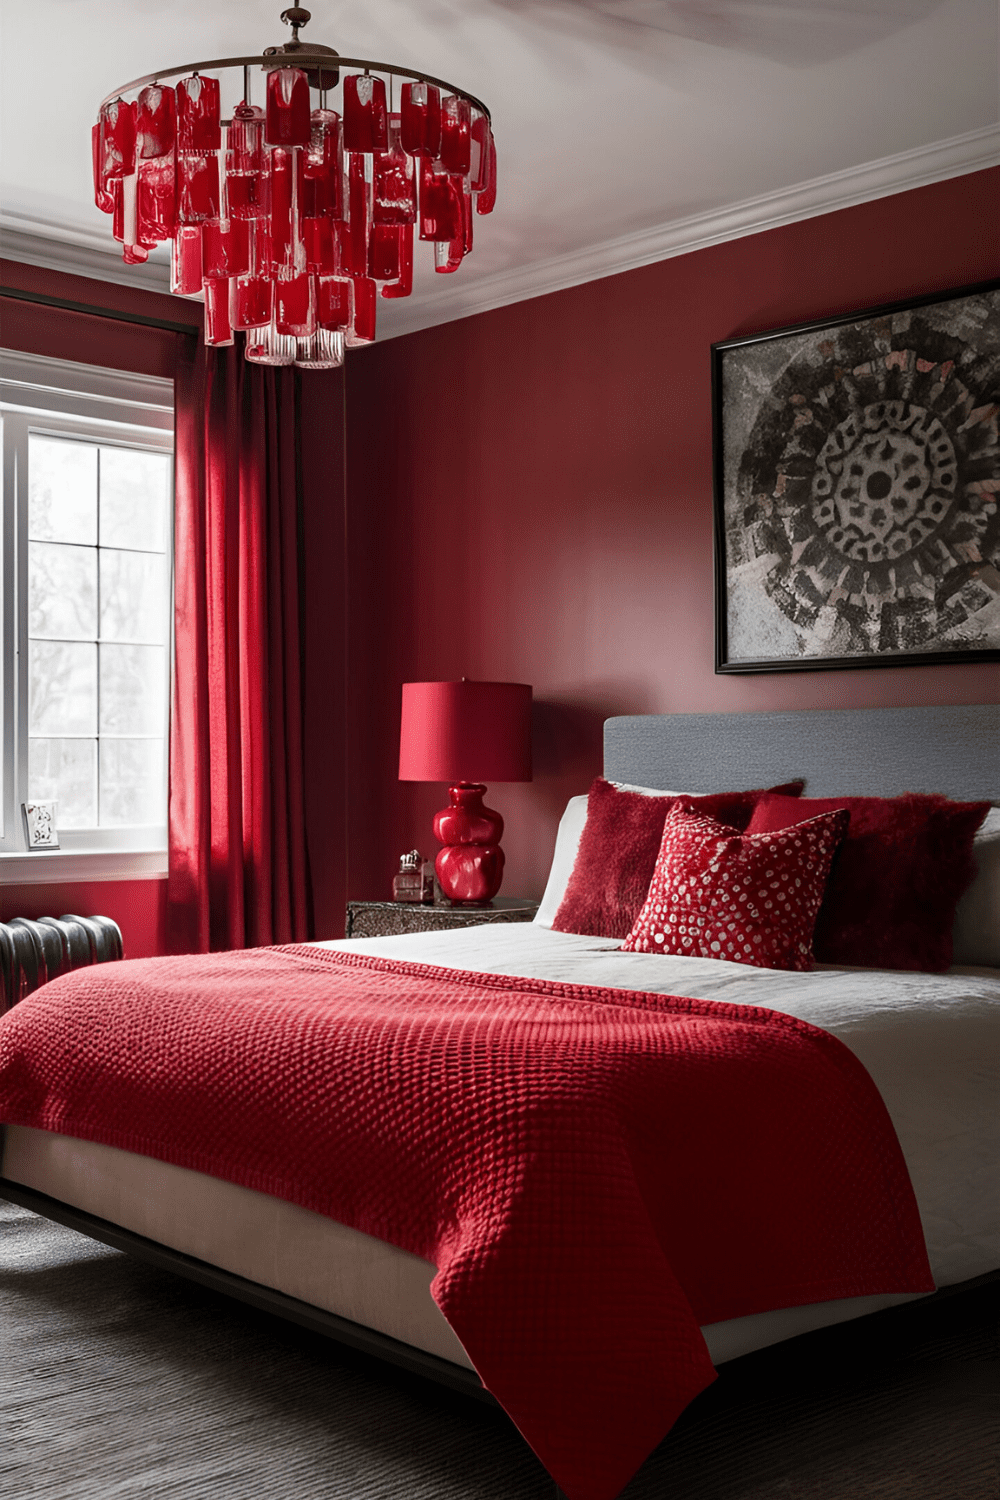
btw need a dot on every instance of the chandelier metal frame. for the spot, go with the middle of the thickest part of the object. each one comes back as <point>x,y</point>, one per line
<point>308,60</point>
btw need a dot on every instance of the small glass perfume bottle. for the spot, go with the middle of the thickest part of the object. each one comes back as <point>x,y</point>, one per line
<point>415,880</point>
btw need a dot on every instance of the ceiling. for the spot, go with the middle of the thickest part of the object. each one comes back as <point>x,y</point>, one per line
<point>627,130</point>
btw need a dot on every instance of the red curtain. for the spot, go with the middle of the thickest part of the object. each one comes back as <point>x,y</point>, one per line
<point>238,874</point>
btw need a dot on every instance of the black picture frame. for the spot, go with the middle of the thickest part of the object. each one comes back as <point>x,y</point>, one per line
<point>857,507</point>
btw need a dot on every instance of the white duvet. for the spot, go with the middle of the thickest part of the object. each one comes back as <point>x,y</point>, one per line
<point>931,1042</point>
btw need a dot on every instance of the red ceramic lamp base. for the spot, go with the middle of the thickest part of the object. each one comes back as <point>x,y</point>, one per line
<point>469,867</point>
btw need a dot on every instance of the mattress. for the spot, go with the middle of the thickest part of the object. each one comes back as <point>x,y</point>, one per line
<point>929,1042</point>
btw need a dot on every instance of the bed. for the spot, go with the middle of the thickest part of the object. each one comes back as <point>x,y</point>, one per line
<point>925,1039</point>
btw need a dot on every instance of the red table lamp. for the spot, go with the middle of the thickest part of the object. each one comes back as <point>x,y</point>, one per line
<point>466,733</point>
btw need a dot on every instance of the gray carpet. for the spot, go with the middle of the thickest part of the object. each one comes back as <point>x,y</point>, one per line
<point>120,1380</point>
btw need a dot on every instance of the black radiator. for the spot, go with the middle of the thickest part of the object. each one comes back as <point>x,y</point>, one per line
<point>33,952</point>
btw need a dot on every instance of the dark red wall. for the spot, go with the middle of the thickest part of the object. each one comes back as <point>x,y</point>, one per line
<point>530,498</point>
<point>324,610</point>
<point>62,334</point>
<point>138,906</point>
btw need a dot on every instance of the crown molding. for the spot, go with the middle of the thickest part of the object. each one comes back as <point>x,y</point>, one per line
<point>44,243</point>
<point>972,152</point>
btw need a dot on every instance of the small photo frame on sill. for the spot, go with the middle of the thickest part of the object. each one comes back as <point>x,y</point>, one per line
<point>40,824</point>
<point>857,489</point>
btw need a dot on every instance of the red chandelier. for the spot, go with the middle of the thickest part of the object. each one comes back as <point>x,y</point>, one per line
<point>291,226</point>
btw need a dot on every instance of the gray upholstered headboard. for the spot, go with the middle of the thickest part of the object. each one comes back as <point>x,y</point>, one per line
<point>875,752</point>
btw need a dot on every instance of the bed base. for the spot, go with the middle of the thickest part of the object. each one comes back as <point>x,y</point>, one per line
<point>316,1319</point>
<point>331,1325</point>
<point>353,1335</point>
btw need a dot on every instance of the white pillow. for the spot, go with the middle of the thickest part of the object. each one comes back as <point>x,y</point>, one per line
<point>563,859</point>
<point>654,791</point>
<point>568,842</point>
<point>976,933</point>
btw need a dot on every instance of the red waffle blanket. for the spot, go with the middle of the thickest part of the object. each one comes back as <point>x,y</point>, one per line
<point>593,1172</point>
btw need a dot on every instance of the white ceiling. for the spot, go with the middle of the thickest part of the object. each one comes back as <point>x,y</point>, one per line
<point>627,130</point>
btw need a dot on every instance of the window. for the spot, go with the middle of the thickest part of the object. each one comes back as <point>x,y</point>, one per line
<point>87,525</point>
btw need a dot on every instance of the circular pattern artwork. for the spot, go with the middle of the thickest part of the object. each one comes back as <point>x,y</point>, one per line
<point>885,477</point>
<point>860,487</point>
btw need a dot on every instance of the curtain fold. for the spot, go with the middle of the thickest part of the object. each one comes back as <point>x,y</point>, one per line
<point>238,868</point>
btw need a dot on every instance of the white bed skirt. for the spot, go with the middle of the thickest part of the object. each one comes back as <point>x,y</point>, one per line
<point>307,1255</point>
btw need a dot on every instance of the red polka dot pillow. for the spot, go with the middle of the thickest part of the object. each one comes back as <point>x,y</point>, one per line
<point>749,898</point>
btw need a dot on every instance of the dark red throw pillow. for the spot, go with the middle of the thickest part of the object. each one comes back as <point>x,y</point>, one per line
<point>896,880</point>
<point>618,849</point>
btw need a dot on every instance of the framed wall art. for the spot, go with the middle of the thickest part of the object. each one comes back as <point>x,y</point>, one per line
<point>857,486</point>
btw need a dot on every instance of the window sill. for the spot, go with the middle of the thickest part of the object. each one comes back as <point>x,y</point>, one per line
<point>56,866</point>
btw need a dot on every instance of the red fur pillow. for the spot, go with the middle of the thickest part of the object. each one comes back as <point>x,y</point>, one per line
<point>618,849</point>
<point>748,898</point>
<point>890,902</point>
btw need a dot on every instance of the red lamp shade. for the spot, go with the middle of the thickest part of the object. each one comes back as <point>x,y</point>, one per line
<point>467,733</point>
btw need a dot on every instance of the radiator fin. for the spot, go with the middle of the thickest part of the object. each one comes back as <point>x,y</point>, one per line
<point>33,951</point>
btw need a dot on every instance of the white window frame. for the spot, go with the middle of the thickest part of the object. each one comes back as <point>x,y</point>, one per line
<point>60,398</point>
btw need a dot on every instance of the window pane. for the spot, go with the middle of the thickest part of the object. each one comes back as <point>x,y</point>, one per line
<point>132,787</point>
<point>133,689</point>
<point>98,624</point>
<point>62,591</point>
<point>62,490</point>
<point>67,771</point>
<point>135,499</point>
<point>62,688</point>
<point>133,596</point>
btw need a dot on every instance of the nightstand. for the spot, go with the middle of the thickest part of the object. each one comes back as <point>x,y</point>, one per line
<point>390,918</point>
